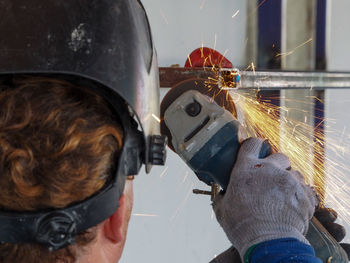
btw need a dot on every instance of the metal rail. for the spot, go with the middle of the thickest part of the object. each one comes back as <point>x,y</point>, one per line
<point>265,80</point>
<point>293,80</point>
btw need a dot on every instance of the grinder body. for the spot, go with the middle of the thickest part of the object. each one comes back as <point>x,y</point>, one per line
<point>207,137</point>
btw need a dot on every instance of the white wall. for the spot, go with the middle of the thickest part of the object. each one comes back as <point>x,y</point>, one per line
<point>183,227</point>
<point>181,26</point>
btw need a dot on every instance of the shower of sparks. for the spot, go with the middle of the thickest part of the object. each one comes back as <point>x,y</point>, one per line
<point>164,171</point>
<point>284,54</point>
<point>263,119</point>
<point>164,17</point>
<point>323,160</point>
<point>235,14</point>
<point>145,215</point>
<point>156,117</point>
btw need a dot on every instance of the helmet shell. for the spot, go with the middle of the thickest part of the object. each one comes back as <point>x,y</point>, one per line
<point>105,41</point>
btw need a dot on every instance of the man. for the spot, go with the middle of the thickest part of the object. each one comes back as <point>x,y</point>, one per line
<point>78,95</point>
<point>65,158</point>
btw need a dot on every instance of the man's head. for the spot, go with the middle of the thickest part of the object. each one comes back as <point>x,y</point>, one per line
<point>66,149</point>
<point>58,145</point>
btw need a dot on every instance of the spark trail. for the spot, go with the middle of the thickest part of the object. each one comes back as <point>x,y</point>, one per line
<point>329,172</point>
<point>323,160</point>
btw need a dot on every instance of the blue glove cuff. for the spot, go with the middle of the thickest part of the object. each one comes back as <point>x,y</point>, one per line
<point>281,250</point>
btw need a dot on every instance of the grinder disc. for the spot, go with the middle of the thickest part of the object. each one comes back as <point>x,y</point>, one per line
<point>221,97</point>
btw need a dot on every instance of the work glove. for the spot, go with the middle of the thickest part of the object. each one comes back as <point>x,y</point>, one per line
<point>326,216</point>
<point>264,200</point>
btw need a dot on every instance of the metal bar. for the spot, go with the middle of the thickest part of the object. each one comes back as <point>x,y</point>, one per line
<point>170,76</point>
<point>269,80</point>
<point>293,80</point>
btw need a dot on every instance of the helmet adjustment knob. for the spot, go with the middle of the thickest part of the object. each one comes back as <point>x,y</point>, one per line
<point>157,153</point>
<point>56,230</point>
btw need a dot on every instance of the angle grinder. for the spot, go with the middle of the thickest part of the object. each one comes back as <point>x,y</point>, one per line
<point>200,122</point>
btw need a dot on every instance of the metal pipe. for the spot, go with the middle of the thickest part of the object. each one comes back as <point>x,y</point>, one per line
<point>293,80</point>
<point>269,80</point>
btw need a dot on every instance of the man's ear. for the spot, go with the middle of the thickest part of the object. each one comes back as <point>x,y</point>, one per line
<point>113,226</point>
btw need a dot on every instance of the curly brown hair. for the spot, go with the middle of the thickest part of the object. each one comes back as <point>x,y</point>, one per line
<point>58,143</point>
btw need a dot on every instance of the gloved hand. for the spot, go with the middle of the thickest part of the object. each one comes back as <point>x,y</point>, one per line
<point>326,216</point>
<point>263,200</point>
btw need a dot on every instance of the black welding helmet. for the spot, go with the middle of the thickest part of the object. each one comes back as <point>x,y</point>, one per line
<point>105,44</point>
<point>105,41</point>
